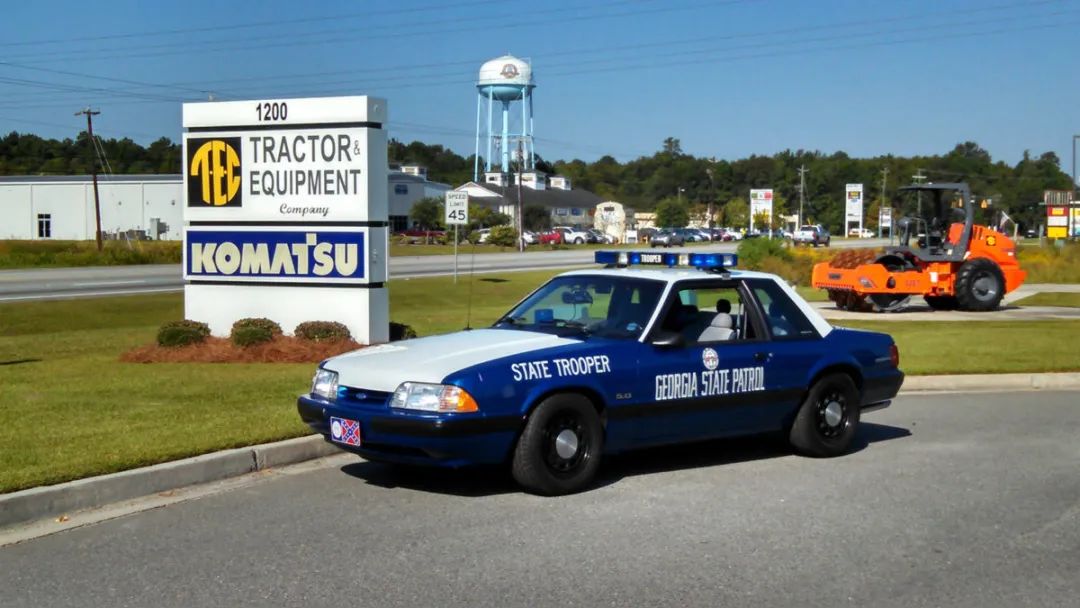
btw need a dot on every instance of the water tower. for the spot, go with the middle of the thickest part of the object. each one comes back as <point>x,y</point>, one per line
<point>503,82</point>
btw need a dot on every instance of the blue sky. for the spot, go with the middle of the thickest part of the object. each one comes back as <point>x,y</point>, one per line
<point>728,77</point>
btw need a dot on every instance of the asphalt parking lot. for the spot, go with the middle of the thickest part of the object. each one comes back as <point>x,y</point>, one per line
<point>949,500</point>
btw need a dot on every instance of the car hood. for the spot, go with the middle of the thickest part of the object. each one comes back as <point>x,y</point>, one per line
<point>432,359</point>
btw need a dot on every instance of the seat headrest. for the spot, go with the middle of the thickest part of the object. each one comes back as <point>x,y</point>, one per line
<point>722,320</point>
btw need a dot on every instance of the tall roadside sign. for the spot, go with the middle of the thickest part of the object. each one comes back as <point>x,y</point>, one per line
<point>761,202</point>
<point>1058,204</point>
<point>285,214</point>
<point>853,208</point>
<point>457,214</point>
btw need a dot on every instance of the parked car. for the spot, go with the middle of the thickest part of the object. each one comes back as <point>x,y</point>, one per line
<point>600,237</point>
<point>600,361</point>
<point>667,238</point>
<point>689,235</point>
<point>551,237</point>
<point>855,233</point>
<point>484,235</point>
<point>530,238</point>
<point>571,235</point>
<point>813,235</point>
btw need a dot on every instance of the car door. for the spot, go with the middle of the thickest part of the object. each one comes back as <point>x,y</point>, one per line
<point>699,383</point>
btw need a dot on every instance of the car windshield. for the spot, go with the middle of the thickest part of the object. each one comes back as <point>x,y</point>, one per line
<point>810,228</point>
<point>584,305</point>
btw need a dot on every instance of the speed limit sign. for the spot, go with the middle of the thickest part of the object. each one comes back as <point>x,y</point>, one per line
<point>457,208</point>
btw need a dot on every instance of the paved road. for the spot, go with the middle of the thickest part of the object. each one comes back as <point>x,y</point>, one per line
<point>950,500</point>
<point>59,283</point>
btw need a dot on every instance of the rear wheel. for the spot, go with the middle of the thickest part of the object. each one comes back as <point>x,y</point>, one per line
<point>828,419</point>
<point>980,285</point>
<point>559,449</point>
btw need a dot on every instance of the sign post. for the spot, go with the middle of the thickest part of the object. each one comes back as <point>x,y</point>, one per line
<point>285,213</point>
<point>457,214</point>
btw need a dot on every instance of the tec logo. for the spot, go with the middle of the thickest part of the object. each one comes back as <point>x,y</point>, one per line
<point>214,172</point>
<point>710,359</point>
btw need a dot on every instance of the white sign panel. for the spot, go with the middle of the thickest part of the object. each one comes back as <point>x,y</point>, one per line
<point>854,207</point>
<point>285,206</point>
<point>761,201</point>
<point>457,208</point>
<point>886,217</point>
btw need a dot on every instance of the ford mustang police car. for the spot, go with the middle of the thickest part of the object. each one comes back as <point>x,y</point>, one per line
<point>600,361</point>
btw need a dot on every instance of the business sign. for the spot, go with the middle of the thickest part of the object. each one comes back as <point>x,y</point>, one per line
<point>285,208</point>
<point>319,255</point>
<point>886,217</point>
<point>457,208</point>
<point>1057,222</point>
<point>853,208</point>
<point>761,201</point>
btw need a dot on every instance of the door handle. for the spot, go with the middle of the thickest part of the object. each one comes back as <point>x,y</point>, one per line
<point>762,356</point>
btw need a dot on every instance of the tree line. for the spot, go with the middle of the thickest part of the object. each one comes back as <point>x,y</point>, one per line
<point>670,181</point>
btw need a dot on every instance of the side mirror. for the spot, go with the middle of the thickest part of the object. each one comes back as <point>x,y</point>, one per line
<point>668,339</point>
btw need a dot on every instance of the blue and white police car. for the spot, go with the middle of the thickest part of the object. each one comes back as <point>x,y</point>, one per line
<point>650,349</point>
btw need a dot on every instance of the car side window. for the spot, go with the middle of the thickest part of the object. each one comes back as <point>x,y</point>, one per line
<point>708,314</point>
<point>782,315</point>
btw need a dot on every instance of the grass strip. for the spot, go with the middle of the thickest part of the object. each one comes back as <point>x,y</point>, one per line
<point>1051,298</point>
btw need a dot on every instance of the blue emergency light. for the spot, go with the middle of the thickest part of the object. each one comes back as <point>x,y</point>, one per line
<point>704,261</point>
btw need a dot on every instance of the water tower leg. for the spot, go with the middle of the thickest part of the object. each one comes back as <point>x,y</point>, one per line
<point>487,159</point>
<point>476,153</point>
<point>506,138</point>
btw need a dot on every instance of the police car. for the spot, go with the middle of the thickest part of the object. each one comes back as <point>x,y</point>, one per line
<point>650,349</point>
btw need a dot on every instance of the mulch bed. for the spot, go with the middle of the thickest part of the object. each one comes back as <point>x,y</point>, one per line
<point>282,349</point>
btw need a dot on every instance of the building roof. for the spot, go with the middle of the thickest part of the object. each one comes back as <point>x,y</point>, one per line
<point>551,197</point>
<point>78,179</point>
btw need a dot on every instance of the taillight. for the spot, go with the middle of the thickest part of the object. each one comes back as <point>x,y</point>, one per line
<point>894,355</point>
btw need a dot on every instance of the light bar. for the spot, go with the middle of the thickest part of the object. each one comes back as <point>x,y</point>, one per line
<point>704,261</point>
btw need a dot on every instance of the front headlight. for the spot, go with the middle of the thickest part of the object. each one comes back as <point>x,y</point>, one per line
<point>433,398</point>
<point>324,384</point>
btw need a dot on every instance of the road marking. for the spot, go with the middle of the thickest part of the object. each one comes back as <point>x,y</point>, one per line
<point>107,283</point>
<point>90,294</point>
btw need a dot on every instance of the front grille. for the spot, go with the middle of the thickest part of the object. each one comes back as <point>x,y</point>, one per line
<point>362,396</point>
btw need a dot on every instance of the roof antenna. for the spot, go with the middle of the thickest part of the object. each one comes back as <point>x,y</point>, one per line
<point>468,306</point>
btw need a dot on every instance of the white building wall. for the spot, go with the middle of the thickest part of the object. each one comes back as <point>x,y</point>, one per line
<point>164,202</point>
<point>65,203</point>
<point>121,206</point>
<point>16,219</point>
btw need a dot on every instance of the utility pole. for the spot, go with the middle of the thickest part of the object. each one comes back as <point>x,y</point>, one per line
<point>90,114</point>
<point>881,205</point>
<point>802,193</point>
<point>520,205</point>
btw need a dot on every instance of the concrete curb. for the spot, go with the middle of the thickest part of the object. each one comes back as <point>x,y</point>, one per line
<point>50,501</point>
<point>992,382</point>
<point>65,498</point>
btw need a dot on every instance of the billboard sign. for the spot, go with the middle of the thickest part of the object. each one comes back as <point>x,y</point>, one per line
<point>761,201</point>
<point>853,208</point>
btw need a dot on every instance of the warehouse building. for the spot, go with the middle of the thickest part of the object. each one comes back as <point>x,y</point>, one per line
<point>568,207</point>
<point>141,206</point>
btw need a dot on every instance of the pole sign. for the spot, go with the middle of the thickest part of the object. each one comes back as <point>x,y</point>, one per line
<point>886,217</point>
<point>457,208</point>
<point>853,208</point>
<point>286,213</point>
<point>761,201</point>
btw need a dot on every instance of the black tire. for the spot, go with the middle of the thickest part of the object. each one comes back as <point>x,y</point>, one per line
<point>941,302</point>
<point>579,241</point>
<point>828,419</point>
<point>980,285</point>
<point>559,450</point>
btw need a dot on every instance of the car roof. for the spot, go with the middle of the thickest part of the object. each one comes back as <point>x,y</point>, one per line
<point>667,275</point>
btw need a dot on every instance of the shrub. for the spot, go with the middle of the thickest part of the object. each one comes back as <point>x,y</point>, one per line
<point>401,331</point>
<point>182,333</point>
<point>753,251</point>
<point>247,332</point>
<point>503,236</point>
<point>318,331</point>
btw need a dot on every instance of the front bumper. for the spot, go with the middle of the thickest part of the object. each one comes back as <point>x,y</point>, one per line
<point>452,440</point>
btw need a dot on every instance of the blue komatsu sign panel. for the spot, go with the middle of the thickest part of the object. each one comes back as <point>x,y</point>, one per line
<point>654,356</point>
<point>322,256</point>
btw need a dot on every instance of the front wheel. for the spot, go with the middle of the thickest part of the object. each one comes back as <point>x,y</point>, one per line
<point>828,419</point>
<point>559,449</point>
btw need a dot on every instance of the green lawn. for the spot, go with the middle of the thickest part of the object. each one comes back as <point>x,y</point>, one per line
<point>1049,298</point>
<point>70,409</point>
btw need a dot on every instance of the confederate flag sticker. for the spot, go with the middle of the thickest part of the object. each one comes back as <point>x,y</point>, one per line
<point>343,430</point>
